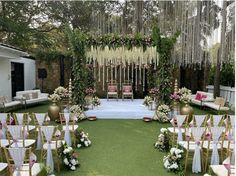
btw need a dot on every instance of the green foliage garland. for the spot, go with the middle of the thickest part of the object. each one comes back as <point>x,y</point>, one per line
<point>79,71</point>
<point>164,46</point>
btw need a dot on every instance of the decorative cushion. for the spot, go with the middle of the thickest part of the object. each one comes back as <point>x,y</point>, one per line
<point>26,96</point>
<point>220,101</point>
<point>204,97</point>
<point>126,88</point>
<point>34,95</point>
<point>198,97</point>
<point>112,88</point>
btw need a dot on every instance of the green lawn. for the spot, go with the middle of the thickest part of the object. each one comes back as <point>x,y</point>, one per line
<point>119,148</point>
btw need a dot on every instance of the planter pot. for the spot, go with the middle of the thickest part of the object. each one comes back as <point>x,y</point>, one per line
<point>53,111</point>
<point>186,109</point>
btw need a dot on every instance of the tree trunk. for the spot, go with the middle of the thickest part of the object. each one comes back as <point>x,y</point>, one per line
<point>221,53</point>
<point>125,19</point>
<point>139,14</point>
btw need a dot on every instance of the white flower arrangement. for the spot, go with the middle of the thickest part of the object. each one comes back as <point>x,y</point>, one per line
<point>173,161</point>
<point>69,157</point>
<point>162,113</point>
<point>77,112</point>
<point>162,143</point>
<point>62,92</point>
<point>54,97</point>
<point>83,139</point>
<point>147,101</point>
<point>96,101</point>
<point>185,95</point>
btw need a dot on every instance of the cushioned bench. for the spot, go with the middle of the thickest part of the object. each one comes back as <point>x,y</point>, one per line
<point>201,97</point>
<point>31,96</point>
<point>6,103</point>
<point>218,104</point>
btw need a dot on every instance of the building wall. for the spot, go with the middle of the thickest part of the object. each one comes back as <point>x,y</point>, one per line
<point>5,75</point>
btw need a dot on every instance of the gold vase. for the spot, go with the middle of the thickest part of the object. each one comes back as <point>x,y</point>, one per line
<point>53,111</point>
<point>187,110</point>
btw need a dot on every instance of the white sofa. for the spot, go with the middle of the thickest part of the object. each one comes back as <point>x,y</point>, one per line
<point>31,96</point>
<point>6,103</point>
<point>208,97</point>
<point>218,104</point>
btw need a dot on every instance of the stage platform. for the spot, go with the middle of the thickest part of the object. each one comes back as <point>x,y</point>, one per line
<point>126,109</point>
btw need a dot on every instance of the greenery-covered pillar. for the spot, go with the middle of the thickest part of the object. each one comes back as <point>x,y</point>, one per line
<point>77,41</point>
<point>164,45</point>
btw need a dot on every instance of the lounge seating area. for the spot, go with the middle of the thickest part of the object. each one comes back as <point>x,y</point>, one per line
<point>28,97</point>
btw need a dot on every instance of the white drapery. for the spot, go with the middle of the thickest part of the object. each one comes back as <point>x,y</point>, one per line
<point>180,120</point>
<point>197,133</point>
<point>40,118</point>
<point>20,118</point>
<point>199,119</point>
<point>3,119</point>
<point>216,133</point>
<point>216,119</point>
<point>48,132</point>
<point>16,132</point>
<point>18,155</point>
<point>67,137</point>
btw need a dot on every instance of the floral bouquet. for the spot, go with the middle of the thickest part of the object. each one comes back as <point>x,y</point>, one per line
<point>162,113</point>
<point>185,95</point>
<point>83,139</point>
<point>62,92</point>
<point>90,91</point>
<point>162,143</point>
<point>154,91</point>
<point>69,157</point>
<point>147,101</point>
<point>78,112</point>
<point>54,97</point>
<point>96,101</point>
<point>173,161</point>
<point>175,97</point>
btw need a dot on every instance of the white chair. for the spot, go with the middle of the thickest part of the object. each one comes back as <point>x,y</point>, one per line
<point>24,119</point>
<point>22,162</point>
<point>18,135</point>
<point>53,144</point>
<point>39,119</point>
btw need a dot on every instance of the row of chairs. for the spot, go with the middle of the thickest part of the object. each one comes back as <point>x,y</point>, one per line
<point>203,137</point>
<point>19,131</point>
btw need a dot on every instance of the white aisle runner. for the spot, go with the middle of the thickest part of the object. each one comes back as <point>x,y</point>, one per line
<point>126,109</point>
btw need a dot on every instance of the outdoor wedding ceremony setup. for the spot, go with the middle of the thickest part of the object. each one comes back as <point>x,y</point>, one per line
<point>132,88</point>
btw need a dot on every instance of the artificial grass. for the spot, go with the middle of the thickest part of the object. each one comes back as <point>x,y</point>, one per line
<point>119,148</point>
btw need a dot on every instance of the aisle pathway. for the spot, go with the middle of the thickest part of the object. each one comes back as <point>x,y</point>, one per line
<point>126,109</point>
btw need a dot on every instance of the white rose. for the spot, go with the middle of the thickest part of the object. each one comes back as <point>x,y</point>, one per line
<point>79,145</point>
<point>163,130</point>
<point>66,151</point>
<point>66,161</point>
<point>72,168</point>
<point>82,139</point>
<point>86,143</point>
<point>73,161</point>
<point>89,142</point>
<point>70,149</point>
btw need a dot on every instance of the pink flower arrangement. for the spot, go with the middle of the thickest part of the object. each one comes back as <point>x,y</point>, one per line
<point>175,97</point>
<point>154,91</point>
<point>90,91</point>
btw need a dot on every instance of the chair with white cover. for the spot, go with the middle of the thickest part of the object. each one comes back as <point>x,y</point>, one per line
<point>17,136</point>
<point>193,148</point>
<point>228,143</point>
<point>51,146</point>
<point>200,120</point>
<point>39,119</point>
<point>3,167</point>
<point>22,162</point>
<point>24,119</point>
<point>177,122</point>
<point>212,147</point>
<point>68,121</point>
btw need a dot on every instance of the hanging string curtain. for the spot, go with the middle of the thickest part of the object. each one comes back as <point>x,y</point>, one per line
<point>122,55</point>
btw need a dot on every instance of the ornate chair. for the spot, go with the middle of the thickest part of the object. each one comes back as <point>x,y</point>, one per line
<point>127,90</point>
<point>112,90</point>
<point>21,161</point>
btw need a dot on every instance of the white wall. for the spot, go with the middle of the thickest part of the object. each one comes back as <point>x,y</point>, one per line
<point>29,72</point>
<point>5,77</point>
